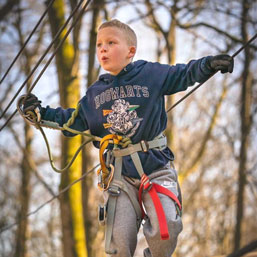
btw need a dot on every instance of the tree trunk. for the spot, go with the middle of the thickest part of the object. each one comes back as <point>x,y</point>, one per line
<point>25,192</point>
<point>246,93</point>
<point>171,53</point>
<point>74,242</point>
<point>90,207</point>
<point>25,187</point>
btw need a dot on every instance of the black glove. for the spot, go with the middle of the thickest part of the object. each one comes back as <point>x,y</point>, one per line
<point>31,103</point>
<point>222,62</point>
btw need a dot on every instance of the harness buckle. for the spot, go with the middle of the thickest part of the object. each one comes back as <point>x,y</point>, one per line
<point>144,146</point>
<point>114,191</point>
<point>101,214</point>
<point>146,183</point>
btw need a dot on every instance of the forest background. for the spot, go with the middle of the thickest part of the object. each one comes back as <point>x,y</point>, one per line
<point>213,133</point>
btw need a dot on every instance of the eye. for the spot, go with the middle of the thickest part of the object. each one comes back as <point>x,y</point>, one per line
<point>98,44</point>
<point>111,42</point>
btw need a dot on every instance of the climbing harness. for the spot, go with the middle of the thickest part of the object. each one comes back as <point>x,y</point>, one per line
<point>109,175</point>
<point>153,189</point>
<point>146,186</point>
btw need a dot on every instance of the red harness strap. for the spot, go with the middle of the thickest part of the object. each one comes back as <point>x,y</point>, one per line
<point>153,189</point>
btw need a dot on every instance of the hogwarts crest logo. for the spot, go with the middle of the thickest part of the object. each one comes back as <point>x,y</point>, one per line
<point>122,118</point>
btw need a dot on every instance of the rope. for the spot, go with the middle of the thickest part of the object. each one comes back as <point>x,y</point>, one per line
<point>106,171</point>
<point>27,40</point>
<point>50,154</point>
<point>50,59</point>
<point>199,85</point>
<point>71,120</point>
<point>34,118</point>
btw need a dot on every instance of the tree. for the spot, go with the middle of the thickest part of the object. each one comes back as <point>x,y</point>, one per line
<point>7,8</point>
<point>90,207</point>
<point>196,160</point>
<point>67,57</point>
<point>246,124</point>
<point>25,187</point>
<point>25,167</point>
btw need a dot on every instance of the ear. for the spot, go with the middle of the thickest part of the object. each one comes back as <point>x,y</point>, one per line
<point>132,51</point>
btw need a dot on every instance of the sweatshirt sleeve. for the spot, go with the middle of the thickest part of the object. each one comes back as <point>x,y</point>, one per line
<point>61,116</point>
<point>181,76</point>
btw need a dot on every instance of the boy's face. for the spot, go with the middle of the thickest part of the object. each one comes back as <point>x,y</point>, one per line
<point>113,51</point>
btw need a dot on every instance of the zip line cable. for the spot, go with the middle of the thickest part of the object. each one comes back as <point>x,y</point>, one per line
<point>8,227</point>
<point>196,87</point>
<point>27,40</point>
<point>45,53</point>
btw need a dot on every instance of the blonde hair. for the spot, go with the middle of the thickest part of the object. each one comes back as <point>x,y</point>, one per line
<point>129,32</point>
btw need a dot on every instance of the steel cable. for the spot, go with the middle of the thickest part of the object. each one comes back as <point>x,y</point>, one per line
<point>50,59</point>
<point>27,40</point>
<point>199,85</point>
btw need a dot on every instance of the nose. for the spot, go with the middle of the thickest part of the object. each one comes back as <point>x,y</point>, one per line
<point>104,48</point>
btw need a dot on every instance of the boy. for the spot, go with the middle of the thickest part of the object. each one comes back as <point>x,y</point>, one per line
<point>128,103</point>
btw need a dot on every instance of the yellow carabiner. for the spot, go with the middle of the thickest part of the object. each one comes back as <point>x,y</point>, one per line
<point>104,179</point>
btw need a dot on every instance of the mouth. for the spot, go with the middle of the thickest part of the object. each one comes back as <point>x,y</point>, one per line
<point>104,58</point>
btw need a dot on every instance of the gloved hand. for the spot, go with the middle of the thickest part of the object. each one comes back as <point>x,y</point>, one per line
<point>222,62</point>
<point>31,103</point>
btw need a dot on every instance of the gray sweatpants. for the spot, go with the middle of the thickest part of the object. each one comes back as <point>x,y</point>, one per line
<point>124,238</point>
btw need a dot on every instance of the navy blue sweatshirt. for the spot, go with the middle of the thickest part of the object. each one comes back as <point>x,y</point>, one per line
<point>132,104</point>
